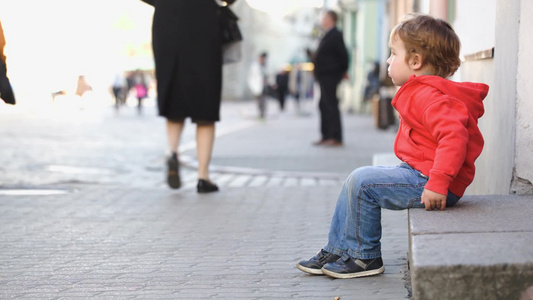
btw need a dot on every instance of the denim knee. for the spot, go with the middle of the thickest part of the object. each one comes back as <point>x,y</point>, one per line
<point>358,177</point>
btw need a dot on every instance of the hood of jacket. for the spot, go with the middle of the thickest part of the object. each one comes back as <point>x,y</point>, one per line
<point>470,93</point>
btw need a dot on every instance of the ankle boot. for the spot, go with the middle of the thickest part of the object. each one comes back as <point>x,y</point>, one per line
<point>205,186</point>
<point>173,171</point>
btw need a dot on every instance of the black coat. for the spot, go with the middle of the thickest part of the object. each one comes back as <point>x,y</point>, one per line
<point>331,57</point>
<point>188,58</point>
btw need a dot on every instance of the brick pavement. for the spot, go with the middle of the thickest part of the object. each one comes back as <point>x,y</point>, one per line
<point>241,243</point>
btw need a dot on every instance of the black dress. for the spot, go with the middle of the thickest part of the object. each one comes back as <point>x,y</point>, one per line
<point>188,59</point>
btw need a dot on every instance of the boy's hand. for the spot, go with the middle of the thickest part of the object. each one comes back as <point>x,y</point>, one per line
<point>433,200</point>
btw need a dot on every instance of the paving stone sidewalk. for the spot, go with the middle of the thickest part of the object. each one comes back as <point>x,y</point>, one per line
<point>128,243</point>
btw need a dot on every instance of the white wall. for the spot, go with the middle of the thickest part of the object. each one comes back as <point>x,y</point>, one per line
<point>496,126</point>
<point>506,164</point>
<point>474,24</point>
<point>524,104</point>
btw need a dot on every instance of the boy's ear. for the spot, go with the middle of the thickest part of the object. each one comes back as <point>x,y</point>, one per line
<point>416,62</point>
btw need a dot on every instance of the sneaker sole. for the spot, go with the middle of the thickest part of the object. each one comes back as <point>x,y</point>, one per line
<point>309,270</point>
<point>353,275</point>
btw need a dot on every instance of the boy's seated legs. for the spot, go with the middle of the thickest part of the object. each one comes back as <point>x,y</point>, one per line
<point>355,230</point>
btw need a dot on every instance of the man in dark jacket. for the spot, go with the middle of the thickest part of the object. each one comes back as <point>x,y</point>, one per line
<point>331,64</point>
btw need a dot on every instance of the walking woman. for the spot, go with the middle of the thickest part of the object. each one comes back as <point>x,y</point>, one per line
<point>188,65</point>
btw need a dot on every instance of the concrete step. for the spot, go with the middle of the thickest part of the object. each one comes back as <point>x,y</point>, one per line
<point>480,249</point>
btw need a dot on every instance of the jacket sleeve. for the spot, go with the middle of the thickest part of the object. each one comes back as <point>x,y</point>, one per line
<point>447,121</point>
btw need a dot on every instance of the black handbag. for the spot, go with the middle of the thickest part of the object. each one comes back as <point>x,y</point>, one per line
<point>6,92</point>
<point>229,29</point>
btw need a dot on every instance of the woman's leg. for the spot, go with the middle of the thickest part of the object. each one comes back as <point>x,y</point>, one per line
<point>205,138</point>
<point>174,130</point>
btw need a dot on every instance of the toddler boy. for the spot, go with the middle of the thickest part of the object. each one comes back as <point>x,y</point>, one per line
<point>438,142</point>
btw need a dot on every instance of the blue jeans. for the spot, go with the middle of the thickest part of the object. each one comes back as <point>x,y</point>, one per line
<point>355,228</point>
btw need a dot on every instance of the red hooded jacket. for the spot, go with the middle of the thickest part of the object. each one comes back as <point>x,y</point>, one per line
<point>439,134</point>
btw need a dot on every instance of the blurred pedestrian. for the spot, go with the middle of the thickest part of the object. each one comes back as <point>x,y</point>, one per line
<point>258,83</point>
<point>187,49</point>
<point>282,87</point>
<point>372,82</point>
<point>295,83</point>
<point>6,92</point>
<point>141,88</point>
<point>119,89</point>
<point>82,86</point>
<point>331,64</point>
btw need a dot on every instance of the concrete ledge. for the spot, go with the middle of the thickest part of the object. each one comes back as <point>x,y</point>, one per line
<point>480,249</point>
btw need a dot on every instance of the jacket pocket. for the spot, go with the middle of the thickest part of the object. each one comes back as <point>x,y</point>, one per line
<point>407,146</point>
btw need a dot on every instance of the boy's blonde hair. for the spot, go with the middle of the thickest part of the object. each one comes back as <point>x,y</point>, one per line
<point>435,41</point>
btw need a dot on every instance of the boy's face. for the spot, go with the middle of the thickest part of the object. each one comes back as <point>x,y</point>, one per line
<point>399,69</point>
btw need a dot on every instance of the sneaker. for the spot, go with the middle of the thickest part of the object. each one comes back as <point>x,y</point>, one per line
<point>347,267</point>
<point>315,264</point>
